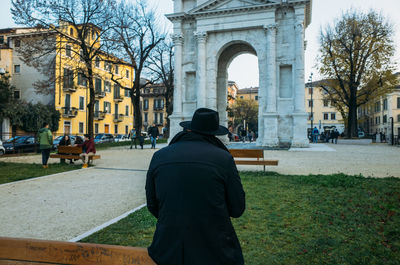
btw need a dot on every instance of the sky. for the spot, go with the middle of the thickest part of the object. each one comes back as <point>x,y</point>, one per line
<point>244,69</point>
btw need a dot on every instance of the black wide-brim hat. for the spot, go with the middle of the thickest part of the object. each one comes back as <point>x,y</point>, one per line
<point>205,121</point>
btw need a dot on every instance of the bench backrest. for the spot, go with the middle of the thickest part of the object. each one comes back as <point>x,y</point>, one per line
<point>63,149</point>
<point>21,251</point>
<point>247,153</point>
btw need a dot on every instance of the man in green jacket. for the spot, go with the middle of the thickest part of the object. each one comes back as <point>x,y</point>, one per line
<point>45,140</point>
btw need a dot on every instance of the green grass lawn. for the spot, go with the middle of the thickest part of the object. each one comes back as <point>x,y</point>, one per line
<point>10,172</point>
<point>334,219</point>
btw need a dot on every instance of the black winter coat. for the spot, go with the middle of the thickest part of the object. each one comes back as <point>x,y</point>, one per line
<point>193,188</point>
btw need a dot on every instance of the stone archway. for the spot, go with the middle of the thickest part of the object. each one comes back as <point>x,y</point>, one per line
<point>209,34</point>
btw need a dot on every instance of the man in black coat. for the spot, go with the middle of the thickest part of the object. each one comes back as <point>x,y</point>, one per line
<point>193,188</point>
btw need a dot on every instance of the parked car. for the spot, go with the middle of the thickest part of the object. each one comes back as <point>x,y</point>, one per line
<point>2,149</point>
<point>103,138</point>
<point>121,138</point>
<point>22,144</point>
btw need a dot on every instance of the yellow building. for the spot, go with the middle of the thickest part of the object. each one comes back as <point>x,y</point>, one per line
<point>70,95</point>
<point>248,93</point>
<point>326,117</point>
<point>153,107</point>
<point>5,52</point>
<point>378,115</point>
<point>232,92</point>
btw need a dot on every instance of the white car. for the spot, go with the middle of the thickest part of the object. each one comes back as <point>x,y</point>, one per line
<point>2,149</point>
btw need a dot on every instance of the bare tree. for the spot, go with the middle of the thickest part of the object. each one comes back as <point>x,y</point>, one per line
<point>133,37</point>
<point>355,58</point>
<point>161,67</point>
<point>64,27</point>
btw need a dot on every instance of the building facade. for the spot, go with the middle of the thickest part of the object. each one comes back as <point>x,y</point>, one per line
<point>153,107</point>
<point>325,116</point>
<point>250,93</point>
<point>69,92</point>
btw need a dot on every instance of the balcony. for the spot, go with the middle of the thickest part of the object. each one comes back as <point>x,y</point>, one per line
<point>69,112</point>
<point>99,115</point>
<point>69,89</point>
<point>99,94</point>
<point>158,108</point>
<point>118,117</point>
<point>118,98</point>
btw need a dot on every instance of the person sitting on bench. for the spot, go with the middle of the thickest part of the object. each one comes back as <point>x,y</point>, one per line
<point>89,150</point>
<point>65,141</point>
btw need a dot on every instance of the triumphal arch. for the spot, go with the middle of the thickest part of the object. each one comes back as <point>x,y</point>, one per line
<point>208,35</point>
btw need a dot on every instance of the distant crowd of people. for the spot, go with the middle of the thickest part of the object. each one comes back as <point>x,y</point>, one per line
<point>324,136</point>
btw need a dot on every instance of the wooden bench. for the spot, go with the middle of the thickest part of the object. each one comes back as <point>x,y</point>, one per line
<point>18,251</point>
<point>71,152</point>
<point>251,153</point>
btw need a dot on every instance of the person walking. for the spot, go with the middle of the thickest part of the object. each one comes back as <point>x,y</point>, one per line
<point>193,188</point>
<point>335,136</point>
<point>133,136</point>
<point>315,134</point>
<point>45,140</point>
<point>88,148</point>
<point>153,132</point>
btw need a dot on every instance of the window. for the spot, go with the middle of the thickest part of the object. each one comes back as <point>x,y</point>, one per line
<point>17,43</point>
<point>117,69</point>
<point>68,50</point>
<point>97,85</point>
<point>241,97</point>
<point>81,103</point>
<point>385,105</point>
<point>107,107</point>
<point>81,127</point>
<point>107,66</point>
<point>116,91</point>
<point>146,117</point>
<point>17,69</point>
<point>145,104</point>
<point>96,128</point>
<point>310,90</point>
<point>398,102</point>
<point>17,94</point>
<point>71,31</point>
<point>1,39</point>
<point>256,97</point>
<point>326,116</point>
<point>126,129</point>
<point>107,86</point>
<point>155,120</point>
<point>161,118</point>
<point>68,78</point>
<point>126,110</point>
<point>384,119</point>
<point>97,62</point>
<point>126,92</point>
<point>116,128</point>
<point>309,116</point>
<point>82,81</point>
<point>398,118</point>
<point>127,73</point>
<point>326,103</point>
<point>333,116</point>
<point>310,103</point>
<point>377,106</point>
<point>378,120</point>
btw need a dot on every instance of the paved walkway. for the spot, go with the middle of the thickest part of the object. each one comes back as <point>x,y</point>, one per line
<point>65,205</point>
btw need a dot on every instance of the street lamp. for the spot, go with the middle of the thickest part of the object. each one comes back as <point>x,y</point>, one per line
<point>392,131</point>
<point>312,103</point>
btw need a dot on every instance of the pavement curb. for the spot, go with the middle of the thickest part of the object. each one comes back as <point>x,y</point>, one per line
<point>100,227</point>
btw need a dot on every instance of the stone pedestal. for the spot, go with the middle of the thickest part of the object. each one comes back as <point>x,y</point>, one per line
<point>300,130</point>
<point>270,130</point>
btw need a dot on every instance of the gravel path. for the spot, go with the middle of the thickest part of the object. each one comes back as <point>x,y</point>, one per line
<point>65,205</point>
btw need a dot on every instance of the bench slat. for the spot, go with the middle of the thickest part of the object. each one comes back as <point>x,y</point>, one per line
<point>57,252</point>
<point>73,156</point>
<point>249,153</point>
<point>259,162</point>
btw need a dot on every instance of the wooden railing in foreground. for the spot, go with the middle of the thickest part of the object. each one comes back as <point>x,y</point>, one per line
<point>17,251</point>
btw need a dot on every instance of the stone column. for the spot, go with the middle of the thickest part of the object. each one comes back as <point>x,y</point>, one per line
<point>201,69</point>
<point>299,115</point>
<point>270,116</point>
<point>177,115</point>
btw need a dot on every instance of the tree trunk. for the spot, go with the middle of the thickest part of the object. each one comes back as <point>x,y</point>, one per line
<point>135,98</point>
<point>90,106</point>
<point>352,126</point>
